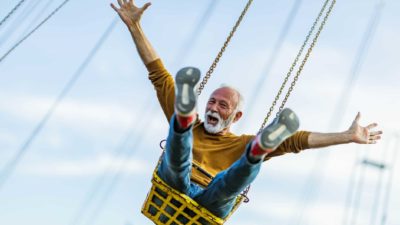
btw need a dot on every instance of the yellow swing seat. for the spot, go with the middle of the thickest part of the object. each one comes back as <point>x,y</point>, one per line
<point>167,206</point>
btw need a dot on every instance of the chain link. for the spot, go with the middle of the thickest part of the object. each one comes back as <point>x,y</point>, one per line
<point>314,41</point>
<point>11,12</point>
<point>222,50</point>
<point>34,30</point>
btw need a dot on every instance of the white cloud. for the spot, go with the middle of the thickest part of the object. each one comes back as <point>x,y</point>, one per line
<point>78,113</point>
<point>88,167</point>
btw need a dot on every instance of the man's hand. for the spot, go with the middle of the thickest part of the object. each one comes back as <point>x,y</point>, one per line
<point>363,135</point>
<point>355,134</point>
<point>130,15</point>
<point>128,12</point>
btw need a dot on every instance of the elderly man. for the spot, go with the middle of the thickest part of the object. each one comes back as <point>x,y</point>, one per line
<point>233,161</point>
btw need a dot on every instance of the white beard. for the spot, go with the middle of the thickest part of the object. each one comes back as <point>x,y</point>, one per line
<point>221,124</point>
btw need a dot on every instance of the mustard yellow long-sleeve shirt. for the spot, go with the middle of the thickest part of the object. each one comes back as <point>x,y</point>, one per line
<point>212,153</point>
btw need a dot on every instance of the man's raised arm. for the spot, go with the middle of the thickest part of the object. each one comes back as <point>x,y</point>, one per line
<point>159,76</point>
<point>355,134</point>
<point>131,15</point>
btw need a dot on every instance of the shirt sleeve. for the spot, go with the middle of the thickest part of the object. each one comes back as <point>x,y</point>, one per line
<point>296,143</point>
<point>164,85</point>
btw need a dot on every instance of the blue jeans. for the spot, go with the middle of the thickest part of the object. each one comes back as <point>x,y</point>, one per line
<point>220,195</point>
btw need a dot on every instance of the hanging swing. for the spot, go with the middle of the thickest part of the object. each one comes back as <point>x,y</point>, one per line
<point>167,206</point>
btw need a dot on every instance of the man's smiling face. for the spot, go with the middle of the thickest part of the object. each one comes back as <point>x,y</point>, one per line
<point>221,110</point>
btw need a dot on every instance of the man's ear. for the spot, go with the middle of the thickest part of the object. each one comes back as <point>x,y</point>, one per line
<point>238,115</point>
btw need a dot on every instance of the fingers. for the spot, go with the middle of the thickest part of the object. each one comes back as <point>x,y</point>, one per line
<point>146,6</point>
<point>374,136</point>
<point>358,116</point>
<point>373,133</point>
<point>372,125</point>
<point>114,7</point>
<point>128,2</point>
<point>121,3</point>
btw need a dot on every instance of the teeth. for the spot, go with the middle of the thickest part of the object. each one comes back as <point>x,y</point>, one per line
<point>212,118</point>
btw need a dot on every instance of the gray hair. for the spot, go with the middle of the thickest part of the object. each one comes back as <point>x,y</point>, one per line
<point>239,106</point>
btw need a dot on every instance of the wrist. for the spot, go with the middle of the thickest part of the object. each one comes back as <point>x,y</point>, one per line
<point>348,137</point>
<point>134,26</point>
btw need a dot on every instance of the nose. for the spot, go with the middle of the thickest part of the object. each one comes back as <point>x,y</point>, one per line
<point>212,108</point>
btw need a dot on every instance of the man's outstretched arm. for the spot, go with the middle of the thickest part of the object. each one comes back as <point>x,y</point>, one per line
<point>131,15</point>
<point>355,134</point>
<point>159,76</point>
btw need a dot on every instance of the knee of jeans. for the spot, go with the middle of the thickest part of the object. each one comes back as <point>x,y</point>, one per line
<point>179,165</point>
<point>219,188</point>
<point>221,210</point>
<point>177,181</point>
<point>227,190</point>
<point>226,210</point>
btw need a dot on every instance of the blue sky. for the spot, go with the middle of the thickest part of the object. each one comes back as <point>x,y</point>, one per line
<point>103,137</point>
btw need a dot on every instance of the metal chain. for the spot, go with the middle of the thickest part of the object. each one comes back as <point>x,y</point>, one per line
<point>297,59</point>
<point>306,57</point>
<point>246,199</point>
<point>222,50</point>
<point>33,30</point>
<point>11,12</point>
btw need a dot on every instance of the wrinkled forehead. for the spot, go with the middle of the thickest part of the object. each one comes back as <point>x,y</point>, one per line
<point>227,94</point>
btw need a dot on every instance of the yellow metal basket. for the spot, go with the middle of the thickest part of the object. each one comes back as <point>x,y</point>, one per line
<point>166,206</point>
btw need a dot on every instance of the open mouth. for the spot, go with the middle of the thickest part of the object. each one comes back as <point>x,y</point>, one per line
<point>212,120</point>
